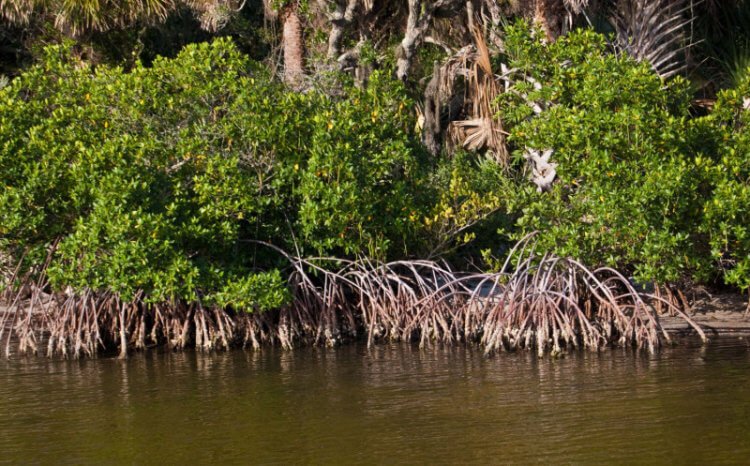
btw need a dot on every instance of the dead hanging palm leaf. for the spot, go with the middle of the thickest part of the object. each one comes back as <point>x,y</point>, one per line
<point>439,92</point>
<point>78,16</point>
<point>654,31</point>
<point>475,134</point>
<point>481,129</point>
<point>576,6</point>
<point>16,11</point>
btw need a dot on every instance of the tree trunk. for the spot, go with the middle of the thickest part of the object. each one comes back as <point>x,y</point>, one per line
<point>294,47</point>
<point>408,47</point>
<point>340,19</point>
<point>431,129</point>
<point>550,15</point>
<point>421,13</point>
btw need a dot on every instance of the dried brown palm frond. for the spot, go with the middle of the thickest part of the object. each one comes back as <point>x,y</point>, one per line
<point>480,129</point>
<point>483,90</point>
<point>576,6</point>
<point>476,134</point>
<point>79,16</point>
<point>438,94</point>
<point>17,11</point>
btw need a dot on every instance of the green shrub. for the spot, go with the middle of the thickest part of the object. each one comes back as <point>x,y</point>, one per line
<point>468,207</point>
<point>164,179</point>
<point>727,210</point>
<point>363,168</point>
<point>628,193</point>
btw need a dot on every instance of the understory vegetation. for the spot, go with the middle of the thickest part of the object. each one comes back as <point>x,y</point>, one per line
<point>529,201</point>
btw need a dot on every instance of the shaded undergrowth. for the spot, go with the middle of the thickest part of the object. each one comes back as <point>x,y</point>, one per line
<point>536,302</point>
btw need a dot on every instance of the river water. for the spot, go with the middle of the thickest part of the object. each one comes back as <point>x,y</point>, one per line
<point>391,404</point>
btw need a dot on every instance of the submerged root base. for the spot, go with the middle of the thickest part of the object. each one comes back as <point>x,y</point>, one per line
<point>547,304</point>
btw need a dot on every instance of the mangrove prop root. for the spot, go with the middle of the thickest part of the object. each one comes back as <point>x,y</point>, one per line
<point>543,303</point>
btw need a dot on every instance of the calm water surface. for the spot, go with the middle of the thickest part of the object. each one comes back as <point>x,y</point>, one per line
<point>388,405</point>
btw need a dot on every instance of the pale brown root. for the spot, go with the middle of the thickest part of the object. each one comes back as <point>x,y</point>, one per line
<point>536,302</point>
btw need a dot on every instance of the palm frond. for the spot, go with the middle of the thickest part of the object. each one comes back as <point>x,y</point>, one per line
<point>17,11</point>
<point>78,16</point>
<point>481,129</point>
<point>576,6</point>
<point>476,133</point>
<point>654,31</point>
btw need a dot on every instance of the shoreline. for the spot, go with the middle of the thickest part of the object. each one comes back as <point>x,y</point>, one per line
<point>721,314</point>
<point>718,314</point>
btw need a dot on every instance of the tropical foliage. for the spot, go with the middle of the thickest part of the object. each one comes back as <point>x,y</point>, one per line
<point>368,132</point>
<point>628,192</point>
<point>164,179</point>
<point>727,210</point>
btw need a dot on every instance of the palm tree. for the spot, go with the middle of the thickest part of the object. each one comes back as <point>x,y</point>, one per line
<point>287,12</point>
<point>75,17</point>
<point>654,31</point>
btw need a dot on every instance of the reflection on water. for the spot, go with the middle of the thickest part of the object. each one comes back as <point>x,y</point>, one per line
<point>390,404</point>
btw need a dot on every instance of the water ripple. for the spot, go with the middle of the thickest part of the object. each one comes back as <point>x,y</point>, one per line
<point>389,404</point>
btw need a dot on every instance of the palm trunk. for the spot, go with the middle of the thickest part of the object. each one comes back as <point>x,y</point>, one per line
<point>550,14</point>
<point>294,47</point>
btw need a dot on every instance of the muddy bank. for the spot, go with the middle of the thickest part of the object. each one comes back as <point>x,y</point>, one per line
<point>717,314</point>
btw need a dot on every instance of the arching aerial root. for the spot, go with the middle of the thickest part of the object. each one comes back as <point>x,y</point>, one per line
<point>543,303</point>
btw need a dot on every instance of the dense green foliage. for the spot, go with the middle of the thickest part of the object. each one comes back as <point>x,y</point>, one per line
<point>727,210</point>
<point>167,179</point>
<point>628,192</point>
<point>642,184</point>
<point>163,179</point>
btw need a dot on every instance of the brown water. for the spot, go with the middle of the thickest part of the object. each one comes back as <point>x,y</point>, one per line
<point>392,404</point>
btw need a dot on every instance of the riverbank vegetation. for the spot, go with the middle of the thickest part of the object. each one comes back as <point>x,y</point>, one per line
<point>467,176</point>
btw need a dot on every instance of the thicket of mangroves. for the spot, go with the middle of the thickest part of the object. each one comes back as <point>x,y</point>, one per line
<point>198,202</point>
